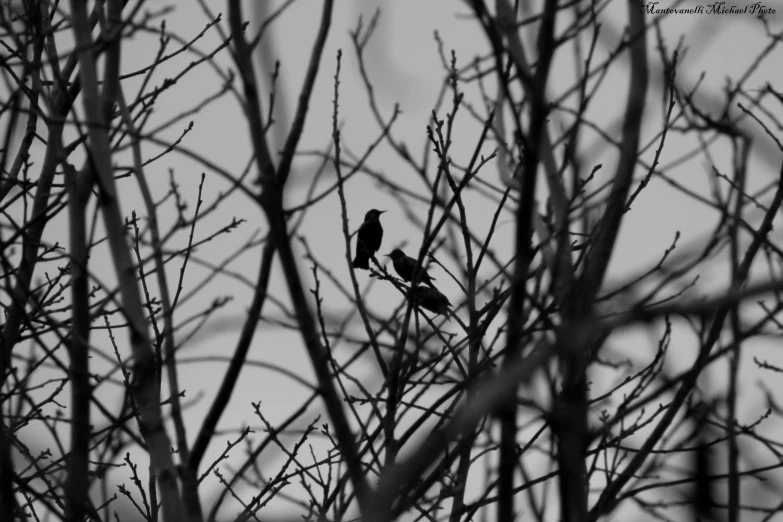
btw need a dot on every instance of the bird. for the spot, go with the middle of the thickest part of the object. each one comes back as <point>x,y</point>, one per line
<point>431,299</point>
<point>368,239</point>
<point>405,265</point>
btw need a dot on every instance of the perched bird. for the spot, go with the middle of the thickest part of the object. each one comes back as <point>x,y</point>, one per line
<point>368,239</point>
<point>405,265</point>
<point>432,300</point>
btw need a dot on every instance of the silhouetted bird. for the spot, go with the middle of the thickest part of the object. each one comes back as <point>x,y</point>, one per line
<point>369,238</point>
<point>405,265</point>
<point>432,300</point>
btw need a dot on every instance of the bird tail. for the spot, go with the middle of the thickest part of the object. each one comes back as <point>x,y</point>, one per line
<point>361,261</point>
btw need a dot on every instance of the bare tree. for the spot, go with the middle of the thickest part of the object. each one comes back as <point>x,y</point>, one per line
<point>498,369</point>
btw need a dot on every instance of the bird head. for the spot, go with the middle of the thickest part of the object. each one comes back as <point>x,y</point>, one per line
<point>373,214</point>
<point>396,254</point>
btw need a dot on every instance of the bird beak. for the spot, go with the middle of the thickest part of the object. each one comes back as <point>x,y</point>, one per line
<point>386,255</point>
<point>381,212</point>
